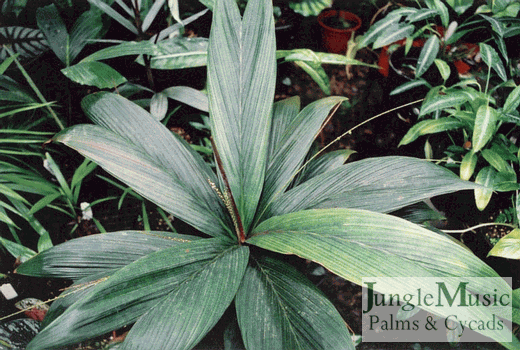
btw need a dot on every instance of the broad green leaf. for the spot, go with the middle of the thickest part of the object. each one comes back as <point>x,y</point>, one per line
<point>241,82</point>
<point>380,28</point>
<point>17,250</point>
<point>443,67</point>
<point>96,74</point>
<point>430,126</point>
<point>88,26</point>
<point>394,33</point>
<point>357,243</point>
<point>179,52</point>
<point>128,48</point>
<point>135,288</point>
<point>100,253</point>
<point>512,101</point>
<point>436,100</point>
<point>485,124</point>
<point>468,164</point>
<point>294,314</point>
<point>371,184</point>
<point>317,73</point>
<point>51,24</point>
<point>309,7</point>
<point>324,163</point>
<point>428,55</point>
<point>496,161</point>
<point>283,114</point>
<point>196,305</point>
<point>486,177</point>
<point>294,145</point>
<point>409,86</point>
<point>138,170</point>
<point>190,96</point>
<point>168,150</point>
<point>508,246</point>
<point>491,58</point>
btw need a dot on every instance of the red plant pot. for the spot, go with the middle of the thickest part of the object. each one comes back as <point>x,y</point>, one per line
<point>336,39</point>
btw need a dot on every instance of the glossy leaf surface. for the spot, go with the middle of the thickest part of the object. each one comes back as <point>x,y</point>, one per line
<point>508,246</point>
<point>135,288</point>
<point>487,177</point>
<point>428,55</point>
<point>430,126</point>
<point>96,74</point>
<point>437,101</point>
<point>491,58</point>
<point>241,82</point>
<point>371,184</point>
<point>485,124</point>
<point>99,253</point>
<point>343,239</point>
<point>278,308</point>
<point>357,243</point>
<point>191,310</point>
<point>52,25</point>
<point>283,114</point>
<point>166,149</point>
<point>294,145</point>
<point>134,167</point>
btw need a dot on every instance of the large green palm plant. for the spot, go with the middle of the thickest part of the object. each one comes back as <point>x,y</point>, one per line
<point>173,288</point>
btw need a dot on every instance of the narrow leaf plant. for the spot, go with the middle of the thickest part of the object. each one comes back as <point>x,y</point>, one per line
<point>263,203</point>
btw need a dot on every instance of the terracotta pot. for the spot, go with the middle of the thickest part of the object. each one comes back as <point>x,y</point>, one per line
<point>336,40</point>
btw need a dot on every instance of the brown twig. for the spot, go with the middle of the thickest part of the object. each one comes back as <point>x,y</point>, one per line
<point>229,199</point>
